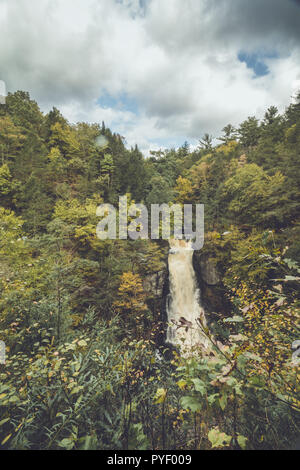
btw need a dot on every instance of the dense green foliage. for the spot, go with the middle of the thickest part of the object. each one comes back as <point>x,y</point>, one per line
<point>82,332</point>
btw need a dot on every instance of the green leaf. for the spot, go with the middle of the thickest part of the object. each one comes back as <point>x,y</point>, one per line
<point>257,381</point>
<point>66,443</point>
<point>242,441</point>
<point>88,443</point>
<point>223,402</point>
<point>192,403</point>
<point>181,384</point>
<point>14,399</point>
<point>199,386</point>
<point>6,439</point>
<point>212,398</point>
<point>218,439</point>
<point>234,319</point>
<point>292,264</point>
<point>252,356</point>
<point>78,402</point>
<point>292,278</point>
<point>76,389</point>
<point>160,395</point>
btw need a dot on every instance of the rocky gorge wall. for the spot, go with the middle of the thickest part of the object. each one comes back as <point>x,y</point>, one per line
<point>209,281</point>
<point>211,286</point>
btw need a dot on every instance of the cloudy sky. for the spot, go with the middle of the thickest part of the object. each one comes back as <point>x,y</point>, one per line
<point>159,72</point>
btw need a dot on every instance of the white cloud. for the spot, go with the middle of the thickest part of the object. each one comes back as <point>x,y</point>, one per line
<point>177,60</point>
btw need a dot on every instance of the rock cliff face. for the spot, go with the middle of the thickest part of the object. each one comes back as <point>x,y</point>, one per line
<point>154,283</point>
<point>156,287</point>
<point>209,280</point>
<point>210,283</point>
<point>208,270</point>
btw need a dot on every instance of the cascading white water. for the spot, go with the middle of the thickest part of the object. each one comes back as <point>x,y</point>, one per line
<point>183,306</point>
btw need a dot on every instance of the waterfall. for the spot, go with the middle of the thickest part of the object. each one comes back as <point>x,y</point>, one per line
<point>183,305</point>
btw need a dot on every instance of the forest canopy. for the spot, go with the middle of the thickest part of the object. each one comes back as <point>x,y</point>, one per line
<point>87,364</point>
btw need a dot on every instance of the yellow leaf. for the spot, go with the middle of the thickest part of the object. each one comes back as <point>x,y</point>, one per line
<point>5,439</point>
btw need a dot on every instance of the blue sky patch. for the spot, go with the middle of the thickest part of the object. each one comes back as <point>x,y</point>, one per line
<point>122,102</point>
<point>255,61</point>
